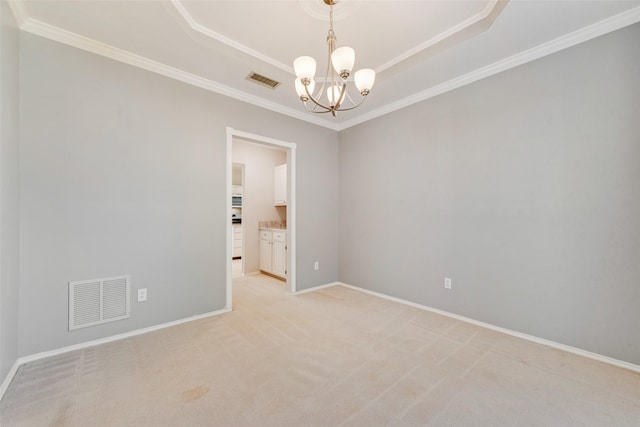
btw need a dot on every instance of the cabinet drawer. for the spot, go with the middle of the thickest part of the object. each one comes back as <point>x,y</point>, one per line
<point>266,235</point>
<point>237,232</point>
<point>279,236</point>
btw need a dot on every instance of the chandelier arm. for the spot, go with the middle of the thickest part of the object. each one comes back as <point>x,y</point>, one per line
<point>355,106</point>
<point>313,109</point>
<point>320,91</point>
<point>306,89</point>
<point>341,97</point>
<point>330,46</point>
<point>348,96</point>
<point>336,79</point>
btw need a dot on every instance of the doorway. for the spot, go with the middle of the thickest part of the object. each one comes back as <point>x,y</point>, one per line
<point>290,149</point>
<point>237,193</point>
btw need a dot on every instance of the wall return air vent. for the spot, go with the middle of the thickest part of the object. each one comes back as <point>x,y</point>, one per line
<point>92,302</point>
<point>262,80</point>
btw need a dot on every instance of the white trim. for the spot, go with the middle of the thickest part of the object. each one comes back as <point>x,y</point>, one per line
<point>226,40</point>
<point>317,288</point>
<point>291,205</point>
<point>600,28</point>
<point>7,380</point>
<point>19,13</point>
<point>440,37</point>
<point>291,219</point>
<point>589,32</point>
<point>532,338</point>
<point>253,273</point>
<point>93,343</point>
<point>196,26</point>
<point>229,233</point>
<point>81,42</point>
<point>45,354</point>
<point>262,139</point>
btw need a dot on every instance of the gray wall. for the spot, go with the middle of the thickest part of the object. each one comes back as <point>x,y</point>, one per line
<point>259,161</point>
<point>524,188</point>
<point>123,171</point>
<point>9,191</point>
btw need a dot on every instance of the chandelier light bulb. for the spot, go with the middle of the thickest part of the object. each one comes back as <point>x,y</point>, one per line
<point>335,82</point>
<point>343,59</point>
<point>305,67</point>
<point>302,93</point>
<point>333,94</point>
<point>364,80</point>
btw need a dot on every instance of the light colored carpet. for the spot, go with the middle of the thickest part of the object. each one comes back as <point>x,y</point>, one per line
<point>327,358</point>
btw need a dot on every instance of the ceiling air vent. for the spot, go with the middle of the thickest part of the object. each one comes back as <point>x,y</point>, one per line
<point>262,80</point>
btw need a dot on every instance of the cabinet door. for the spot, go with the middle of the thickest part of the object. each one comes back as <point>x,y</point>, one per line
<point>280,185</point>
<point>279,255</point>
<point>237,240</point>
<point>265,255</point>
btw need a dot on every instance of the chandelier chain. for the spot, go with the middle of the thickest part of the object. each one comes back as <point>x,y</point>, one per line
<point>332,34</point>
<point>331,18</point>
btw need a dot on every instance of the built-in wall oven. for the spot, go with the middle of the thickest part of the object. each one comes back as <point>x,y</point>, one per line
<point>236,200</point>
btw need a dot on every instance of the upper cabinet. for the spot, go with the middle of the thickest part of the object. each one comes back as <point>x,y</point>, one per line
<point>280,185</point>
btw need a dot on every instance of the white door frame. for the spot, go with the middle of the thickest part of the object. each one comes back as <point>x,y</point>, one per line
<point>291,205</point>
<point>242,257</point>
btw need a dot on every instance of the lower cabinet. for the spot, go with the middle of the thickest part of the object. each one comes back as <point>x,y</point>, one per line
<point>265,253</point>
<point>237,240</point>
<point>279,257</point>
<point>273,252</point>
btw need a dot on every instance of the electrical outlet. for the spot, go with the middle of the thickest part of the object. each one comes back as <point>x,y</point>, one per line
<point>447,283</point>
<point>142,294</point>
<point>316,265</point>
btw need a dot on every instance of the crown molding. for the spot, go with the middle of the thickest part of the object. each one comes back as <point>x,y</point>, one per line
<point>194,25</point>
<point>600,28</point>
<point>584,34</point>
<point>81,42</point>
<point>19,13</point>
<point>440,37</point>
<point>226,40</point>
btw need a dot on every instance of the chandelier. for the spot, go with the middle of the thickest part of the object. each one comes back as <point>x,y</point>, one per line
<point>339,66</point>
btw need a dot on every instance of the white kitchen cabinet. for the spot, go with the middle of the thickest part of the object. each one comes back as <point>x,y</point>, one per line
<point>279,254</point>
<point>237,240</point>
<point>265,250</point>
<point>273,252</point>
<point>280,185</point>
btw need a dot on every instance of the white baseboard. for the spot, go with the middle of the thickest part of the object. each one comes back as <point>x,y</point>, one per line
<point>253,273</point>
<point>316,288</point>
<point>567,348</point>
<point>117,337</point>
<point>7,380</point>
<point>26,359</point>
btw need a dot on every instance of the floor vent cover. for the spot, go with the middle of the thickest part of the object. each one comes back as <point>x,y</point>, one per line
<point>92,302</point>
<point>262,80</point>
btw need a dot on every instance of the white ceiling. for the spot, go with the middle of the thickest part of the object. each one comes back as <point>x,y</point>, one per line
<point>419,48</point>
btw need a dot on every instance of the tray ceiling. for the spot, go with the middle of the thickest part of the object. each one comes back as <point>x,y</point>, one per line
<point>418,48</point>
